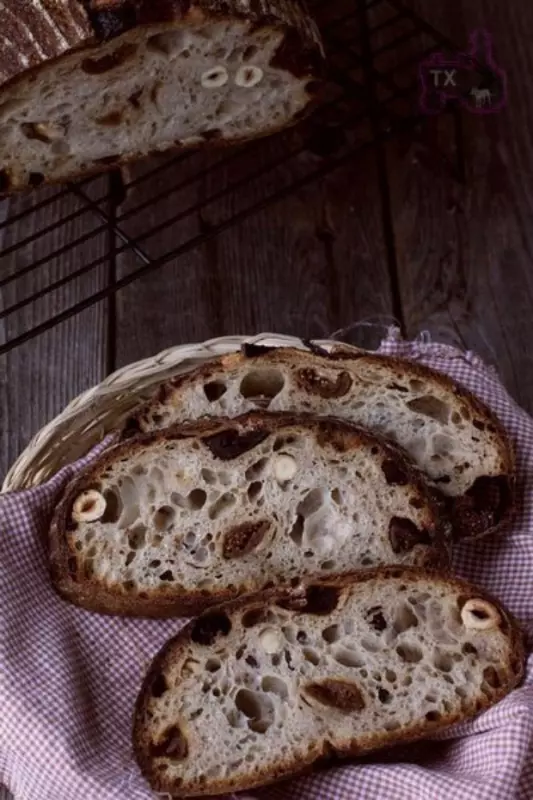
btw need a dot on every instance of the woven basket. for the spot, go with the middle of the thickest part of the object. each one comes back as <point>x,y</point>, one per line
<point>92,415</point>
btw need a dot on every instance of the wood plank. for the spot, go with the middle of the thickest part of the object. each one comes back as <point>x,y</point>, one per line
<point>41,376</point>
<point>465,253</point>
<point>307,265</point>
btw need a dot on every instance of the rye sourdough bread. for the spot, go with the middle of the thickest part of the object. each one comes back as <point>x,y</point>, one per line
<point>87,84</point>
<point>264,688</point>
<point>171,522</point>
<point>450,434</point>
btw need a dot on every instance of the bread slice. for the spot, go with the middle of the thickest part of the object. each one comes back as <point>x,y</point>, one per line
<point>451,435</point>
<point>172,522</point>
<point>264,688</point>
<point>88,84</point>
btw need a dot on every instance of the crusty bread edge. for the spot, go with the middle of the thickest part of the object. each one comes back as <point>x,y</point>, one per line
<point>93,596</point>
<point>322,756</point>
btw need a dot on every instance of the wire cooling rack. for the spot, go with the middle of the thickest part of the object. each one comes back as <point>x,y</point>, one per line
<point>374,48</point>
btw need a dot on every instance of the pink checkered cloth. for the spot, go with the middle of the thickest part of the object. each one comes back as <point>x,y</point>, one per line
<point>69,679</point>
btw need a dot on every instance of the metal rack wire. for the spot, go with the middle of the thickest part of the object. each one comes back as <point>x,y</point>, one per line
<point>374,48</point>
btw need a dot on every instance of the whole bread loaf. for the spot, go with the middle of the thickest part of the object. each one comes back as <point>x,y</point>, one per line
<point>264,688</point>
<point>455,439</point>
<point>171,522</point>
<point>87,84</point>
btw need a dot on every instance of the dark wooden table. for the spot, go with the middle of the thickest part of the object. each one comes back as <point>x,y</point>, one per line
<point>459,264</point>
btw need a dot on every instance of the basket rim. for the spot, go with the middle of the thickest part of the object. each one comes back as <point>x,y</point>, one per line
<point>26,472</point>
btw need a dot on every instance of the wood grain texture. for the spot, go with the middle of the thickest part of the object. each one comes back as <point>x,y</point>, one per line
<point>465,252</point>
<point>40,377</point>
<point>306,265</point>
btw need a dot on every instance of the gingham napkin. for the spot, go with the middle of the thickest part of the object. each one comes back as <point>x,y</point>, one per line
<point>68,678</point>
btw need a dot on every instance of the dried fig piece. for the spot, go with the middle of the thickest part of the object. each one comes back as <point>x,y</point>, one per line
<point>404,535</point>
<point>342,695</point>
<point>243,539</point>
<point>313,383</point>
<point>394,474</point>
<point>232,444</point>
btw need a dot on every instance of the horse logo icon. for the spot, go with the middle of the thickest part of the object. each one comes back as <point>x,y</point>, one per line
<point>471,79</point>
<point>483,97</point>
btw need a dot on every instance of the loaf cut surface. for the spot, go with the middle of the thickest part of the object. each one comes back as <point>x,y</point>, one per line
<point>86,85</point>
<point>453,437</point>
<point>262,689</point>
<point>171,522</point>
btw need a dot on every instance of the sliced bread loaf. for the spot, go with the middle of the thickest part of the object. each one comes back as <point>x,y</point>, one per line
<point>171,522</point>
<point>88,84</point>
<point>453,438</point>
<point>264,688</point>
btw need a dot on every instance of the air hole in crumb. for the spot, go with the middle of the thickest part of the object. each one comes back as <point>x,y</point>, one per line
<point>163,518</point>
<point>284,441</point>
<point>297,531</point>
<point>336,496</point>
<point>432,407</point>
<point>433,716</point>
<point>113,508</point>
<point>213,664</point>
<point>443,661</point>
<point>321,599</point>
<point>257,707</point>
<point>223,504</point>
<point>370,645</point>
<point>409,653</point>
<point>348,658</point>
<point>261,386</point>
<point>312,502</point>
<point>254,490</point>
<point>159,686</point>
<point>275,685</point>
<point>137,537</point>
<point>249,53</point>
<point>209,476</point>
<point>384,696</point>
<point>168,575</point>
<point>166,42</point>
<point>311,655</point>
<point>404,619</point>
<point>257,470</point>
<point>197,499</point>
<point>332,634</point>
<point>215,390</point>
<point>469,649</point>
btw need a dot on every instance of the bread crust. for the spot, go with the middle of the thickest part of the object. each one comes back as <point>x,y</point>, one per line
<point>466,525</point>
<point>92,595</point>
<point>326,753</point>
